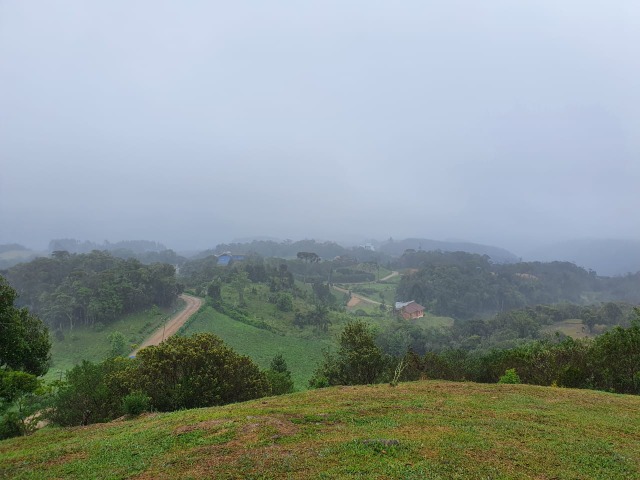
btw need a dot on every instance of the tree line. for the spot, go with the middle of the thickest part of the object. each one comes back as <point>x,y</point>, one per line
<point>463,285</point>
<point>71,289</point>
<point>609,362</point>
<point>502,330</point>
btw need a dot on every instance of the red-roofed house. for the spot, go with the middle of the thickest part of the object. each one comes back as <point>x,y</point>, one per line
<point>409,310</point>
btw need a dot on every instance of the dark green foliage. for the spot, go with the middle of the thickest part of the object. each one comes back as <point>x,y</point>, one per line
<point>14,384</point>
<point>359,360</point>
<point>136,403</point>
<point>92,393</point>
<point>464,285</point>
<point>198,371</point>
<point>283,301</point>
<point>318,317</point>
<point>214,290</point>
<point>309,257</point>
<point>616,359</point>
<point>200,272</point>
<point>24,355</point>
<point>20,398</point>
<point>10,425</point>
<point>117,342</point>
<point>323,294</point>
<point>279,376</point>
<point>609,362</point>
<point>88,288</point>
<point>181,372</point>
<point>279,364</point>
<point>503,330</point>
<point>24,339</point>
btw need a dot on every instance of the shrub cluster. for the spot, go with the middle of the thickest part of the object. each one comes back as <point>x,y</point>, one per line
<point>182,372</point>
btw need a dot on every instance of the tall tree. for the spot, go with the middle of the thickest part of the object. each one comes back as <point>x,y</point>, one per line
<point>24,339</point>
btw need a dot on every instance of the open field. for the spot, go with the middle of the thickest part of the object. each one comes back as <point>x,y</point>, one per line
<point>572,328</point>
<point>417,430</point>
<point>302,354</point>
<point>87,343</point>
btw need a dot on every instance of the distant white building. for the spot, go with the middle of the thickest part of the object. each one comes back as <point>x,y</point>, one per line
<point>369,246</point>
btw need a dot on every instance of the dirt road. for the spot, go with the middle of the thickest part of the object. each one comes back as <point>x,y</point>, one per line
<point>391,275</point>
<point>356,298</point>
<point>173,325</point>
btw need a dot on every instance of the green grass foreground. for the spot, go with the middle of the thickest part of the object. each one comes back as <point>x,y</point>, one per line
<point>418,430</point>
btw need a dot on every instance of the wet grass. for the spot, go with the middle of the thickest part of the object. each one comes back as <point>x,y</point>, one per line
<point>430,429</point>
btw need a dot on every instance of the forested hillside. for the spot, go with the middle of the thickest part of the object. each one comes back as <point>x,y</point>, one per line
<point>69,289</point>
<point>464,285</point>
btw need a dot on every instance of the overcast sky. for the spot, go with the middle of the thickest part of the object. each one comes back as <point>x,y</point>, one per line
<point>192,123</point>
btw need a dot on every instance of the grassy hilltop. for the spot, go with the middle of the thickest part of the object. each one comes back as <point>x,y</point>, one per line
<point>427,429</point>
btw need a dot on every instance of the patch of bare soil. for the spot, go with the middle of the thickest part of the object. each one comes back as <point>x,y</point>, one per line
<point>353,301</point>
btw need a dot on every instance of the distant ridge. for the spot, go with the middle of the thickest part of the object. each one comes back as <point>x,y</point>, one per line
<point>607,257</point>
<point>497,254</point>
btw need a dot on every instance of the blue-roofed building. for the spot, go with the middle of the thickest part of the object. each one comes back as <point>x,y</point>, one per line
<point>226,258</point>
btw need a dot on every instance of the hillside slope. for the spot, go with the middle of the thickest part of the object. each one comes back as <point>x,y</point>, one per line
<point>427,429</point>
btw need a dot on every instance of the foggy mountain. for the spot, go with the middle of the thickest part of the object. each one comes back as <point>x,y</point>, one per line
<point>497,254</point>
<point>606,257</point>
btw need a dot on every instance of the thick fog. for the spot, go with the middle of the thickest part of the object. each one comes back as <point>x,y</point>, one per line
<point>192,123</point>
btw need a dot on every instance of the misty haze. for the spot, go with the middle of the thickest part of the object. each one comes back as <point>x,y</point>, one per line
<point>401,238</point>
<point>501,123</point>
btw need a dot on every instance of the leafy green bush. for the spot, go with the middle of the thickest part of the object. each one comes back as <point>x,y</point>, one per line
<point>197,371</point>
<point>282,300</point>
<point>117,342</point>
<point>136,403</point>
<point>510,377</point>
<point>92,393</point>
<point>358,362</point>
<point>10,425</point>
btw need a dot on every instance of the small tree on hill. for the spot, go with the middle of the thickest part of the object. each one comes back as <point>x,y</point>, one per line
<point>279,376</point>
<point>359,361</point>
<point>510,377</point>
<point>239,281</point>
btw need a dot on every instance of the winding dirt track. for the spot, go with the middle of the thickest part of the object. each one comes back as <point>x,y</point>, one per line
<point>173,325</point>
<point>356,298</point>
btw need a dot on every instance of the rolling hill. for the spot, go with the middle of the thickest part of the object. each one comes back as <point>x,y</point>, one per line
<point>417,430</point>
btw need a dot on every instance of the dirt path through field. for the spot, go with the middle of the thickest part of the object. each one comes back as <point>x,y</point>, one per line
<point>391,275</point>
<point>173,325</point>
<point>356,298</point>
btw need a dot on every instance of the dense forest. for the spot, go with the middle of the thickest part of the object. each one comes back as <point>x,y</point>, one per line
<point>90,288</point>
<point>503,330</point>
<point>463,285</point>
